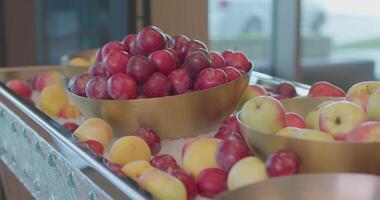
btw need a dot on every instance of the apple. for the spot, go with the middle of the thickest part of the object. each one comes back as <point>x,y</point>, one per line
<point>366,132</point>
<point>264,113</point>
<point>111,47</point>
<point>200,155</point>
<point>210,77</point>
<point>96,69</point>
<point>325,89</point>
<point>286,89</point>
<point>360,92</point>
<point>157,85</point>
<point>239,60</point>
<point>180,80</point>
<point>231,122</point>
<point>373,106</point>
<point>20,87</point>
<point>340,118</point>
<point>196,61</point>
<point>246,171</point>
<point>140,68</point>
<point>212,182</point>
<point>217,60</point>
<point>150,39</point>
<point>95,129</point>
<point>312,118</point>
<point>96,88</point>
<point>151,138</point>
<point>190,46</point>
<point>162,185</point>
<point>115,62</point>
<point>180,41</point>
<point>232,73</point>
<point>188,181</point>
<point>226,132</point>
<point>122,86</point>
<point>282,163</point>
<point>70,126</point>
<point>163,60</point>
<point>134,169</point>
<point>127,149</point>
<point>251,92</point>
<point>77,84</point>
<point>294,120</point>
<point>229,151</point>
<point>164,162</point>
<point>128,41</point>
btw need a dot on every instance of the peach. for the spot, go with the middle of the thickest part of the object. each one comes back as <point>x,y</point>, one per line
<point>200,155</point>
<point>373,106</point>
<point>246,171</point>
<point>134,169</point>
<point>251,92</point>
<point>340,118</point>
<point>360,92</point>
<point>367,132</point>
<point>294,120</point>
<point>312,118</point>
<point>95,129</point>
<point>162,185</point>
<point>47,78</point>
<point>69,112</point>
<point>325,89</point>
<point>52,99</point>
<point>264,113</point>
<point>80,62</point>
<point>127,149</point>
<point>20,87</point>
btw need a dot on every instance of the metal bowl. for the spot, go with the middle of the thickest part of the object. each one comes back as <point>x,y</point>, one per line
<point>316,156</point>
<point>311,187</point>
<point>173,117</point>
<point>72,70</point>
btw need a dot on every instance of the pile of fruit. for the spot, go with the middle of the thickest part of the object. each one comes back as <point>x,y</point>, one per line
<point>153,64</point>
<point>353,118</point>
<point>208,166</point>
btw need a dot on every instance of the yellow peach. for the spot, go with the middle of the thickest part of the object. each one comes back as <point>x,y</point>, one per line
<point>47,78</point>
<point>52,99</point>
<point>79,62</point>
<point>246,171</point>
<point>69,112</point>
<point>129,148</point>
<point>135,168</point>
<point>95,129</point>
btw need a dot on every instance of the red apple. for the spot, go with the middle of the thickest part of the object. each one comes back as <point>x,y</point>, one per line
<point>122,86</point>
<point>180,41</point>
<point>140,68</point>
<point>211,182</point>
<point>77,84</point>
<point>157,85</point>
<point>96,88</point>
<point>224,133</point>
<point>164,61</point>
<point>164,162</point>
<point>239,60</point>
<point>20,87</point>
<point>286,89</point>
<point>229,151</point>
<point>128,40</point>
<point>196,61</point>
<point>282,163</point>
<point>294,120</point>
<point>150,39</point>
<point>96,69</point>
<point>180,80</point>
<point>188,181</point>
<point>190,46</point>
<point>325,89</point>
<point>217,60</point>
<point>210,77</point>
<point>98,56</point>
<point>151,138</point>
<point>111,47</point>
<point>232,73</point>
<point>115,62</point>
<point>70,126</point>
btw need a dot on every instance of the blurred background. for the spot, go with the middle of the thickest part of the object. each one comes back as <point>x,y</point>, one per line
<point>302,40</point>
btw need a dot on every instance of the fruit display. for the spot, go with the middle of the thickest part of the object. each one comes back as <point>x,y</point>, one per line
<point>152,64</point>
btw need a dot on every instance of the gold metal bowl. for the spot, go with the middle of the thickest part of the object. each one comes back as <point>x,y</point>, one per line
<point>316,156</point>
<point>311,187</point>
<point>173,117</point>
<point>72,70</point>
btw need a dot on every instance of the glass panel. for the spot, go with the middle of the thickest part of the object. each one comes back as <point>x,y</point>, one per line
<point>244,25</point>
<point>341,36</point>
